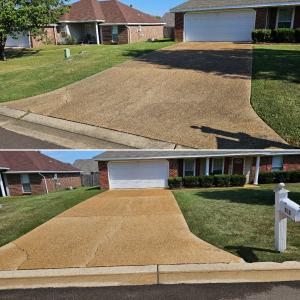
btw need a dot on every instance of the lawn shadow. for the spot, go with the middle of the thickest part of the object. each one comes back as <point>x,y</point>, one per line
<point>235,63</point>
<point>240,140</point>
<point>11,53</point>
<point>246,196</point>
<point>247,253</point>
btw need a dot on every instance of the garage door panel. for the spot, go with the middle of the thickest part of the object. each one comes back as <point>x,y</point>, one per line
<point>124,175</point>
<point>220,26</point>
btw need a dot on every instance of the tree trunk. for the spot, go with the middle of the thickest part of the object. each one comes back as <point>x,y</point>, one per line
<point>2,47</point>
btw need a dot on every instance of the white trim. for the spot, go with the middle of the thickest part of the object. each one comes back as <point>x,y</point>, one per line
<point>257,170</point>
<point>25,174</point>
<point>6,185</point>
<point>194,171</point>
<point>223,165</point>
<point>207,163</point>
<point>273,4</point>
<point>97,33</point>
<point>85,21</point>
<point>292,21</point>
<point>2,187</point>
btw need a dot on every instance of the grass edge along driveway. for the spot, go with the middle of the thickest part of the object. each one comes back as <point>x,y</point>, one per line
<point>276,88</point>
<point>20,215</point>
<point>41,70</point>
<point>240,220</point>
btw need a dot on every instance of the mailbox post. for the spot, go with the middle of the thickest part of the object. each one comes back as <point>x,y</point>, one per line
<point>284,209</point>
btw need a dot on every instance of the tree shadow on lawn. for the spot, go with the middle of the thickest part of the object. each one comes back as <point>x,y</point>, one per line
<point>11,53</point>
<point>247,253</point>
<point>246,196</point>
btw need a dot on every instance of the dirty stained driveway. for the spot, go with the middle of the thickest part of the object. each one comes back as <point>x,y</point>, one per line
<point>190,94</point>
<point>115,228</point>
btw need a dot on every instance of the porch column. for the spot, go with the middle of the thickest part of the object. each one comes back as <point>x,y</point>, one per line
<point>257,167</point>
<point>3,192</point>
<point>67,29</point>
<point>97,33</point>
<point>207,166</point>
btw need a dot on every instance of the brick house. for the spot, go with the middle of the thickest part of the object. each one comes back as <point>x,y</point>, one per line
<point>33,173</point>
<point>232,20</point>
<point>98,22</point>
<point>151,169</point>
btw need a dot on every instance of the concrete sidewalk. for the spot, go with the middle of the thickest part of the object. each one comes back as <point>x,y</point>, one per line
<point>115,228</point>
<point>192,94</point>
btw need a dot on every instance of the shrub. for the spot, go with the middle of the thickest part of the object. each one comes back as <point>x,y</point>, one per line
<point>70,40</point>
<point>237,180</point>
<point>294,176</point>
<point>175,182</point>
<point>262,35</point>
<point>297,35</point>
<point>281,177</point>
<point>221,180</point>
<point>206,181</point>
<point>191,181</point>
<point>283,35</point>
<point>266,178</point>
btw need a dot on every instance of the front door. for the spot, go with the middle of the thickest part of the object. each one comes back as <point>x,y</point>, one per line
<point>238,166</point>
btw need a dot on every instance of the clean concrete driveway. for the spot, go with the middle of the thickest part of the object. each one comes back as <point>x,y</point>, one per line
<point>115,228</point>
<point>190,94</point>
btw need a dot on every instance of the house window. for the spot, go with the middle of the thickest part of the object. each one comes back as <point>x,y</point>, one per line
<point>285,17</point>
<point>218,166</point>
<point>189,166</point>
<point>277,163</point>
<point>25,181</point>
<point>115,33</point>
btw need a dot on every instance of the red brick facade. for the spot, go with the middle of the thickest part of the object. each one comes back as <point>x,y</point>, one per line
<point>103,175</point>
<point>37,183</point>
<point>179,27</point>
<point>50,36</point>
<point>173,168</point>
<point>107,35</point>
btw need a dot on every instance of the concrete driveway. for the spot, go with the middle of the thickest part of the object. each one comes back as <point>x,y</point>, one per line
<point>115,228</point>
<point>191,94</point>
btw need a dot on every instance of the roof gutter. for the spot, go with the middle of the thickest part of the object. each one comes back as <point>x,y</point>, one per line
<point>45,182</point>
<point>276,4</point>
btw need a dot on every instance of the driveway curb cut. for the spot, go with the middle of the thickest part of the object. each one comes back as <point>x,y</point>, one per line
<point>149,275</point>
<point>101,133</point>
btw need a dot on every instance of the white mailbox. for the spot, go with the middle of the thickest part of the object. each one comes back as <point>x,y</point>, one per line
<point>290,209</point>
<point>284,208</point>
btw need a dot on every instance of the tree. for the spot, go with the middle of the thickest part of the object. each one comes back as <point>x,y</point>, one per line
<point>17,16</point>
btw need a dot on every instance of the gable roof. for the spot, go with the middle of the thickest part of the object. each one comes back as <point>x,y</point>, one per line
<point>88,166</point>
<point>33,162</point>
<point>107,11</point>
<point>194,5</point>
<point>168,154</point>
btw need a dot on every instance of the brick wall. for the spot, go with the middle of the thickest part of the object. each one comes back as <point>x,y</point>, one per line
<point>144,33</point>
<point>103,175</point>
<point>261,18</point>
<point>49,36</point>
<point>107,35</point>
<point>173,168</point>
<point>179,26</point>
<point>297,17</point>
<point>38,185</point>
<point>123,35</point>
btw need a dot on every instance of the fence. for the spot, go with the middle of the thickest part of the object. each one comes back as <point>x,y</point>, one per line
<point>90,180</point>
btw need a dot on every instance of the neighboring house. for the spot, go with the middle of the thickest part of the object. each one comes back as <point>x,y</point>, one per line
<point>102,22</point>
<point>151,169</point>
<point>232,20</point>
<point>90,171</point>
<point>169,28</point>
<point>33,173</point>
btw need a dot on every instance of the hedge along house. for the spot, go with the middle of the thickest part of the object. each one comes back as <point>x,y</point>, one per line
<point>32,173</point>
<point>151,169</point>
<point>232,20</point>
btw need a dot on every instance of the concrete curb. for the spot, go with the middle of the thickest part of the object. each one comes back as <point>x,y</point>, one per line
<point>101,133</point>
<point>151,275</point>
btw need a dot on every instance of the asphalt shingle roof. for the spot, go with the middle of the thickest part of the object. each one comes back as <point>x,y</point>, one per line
<point>32,161</point>
<point>136,154</point>
<point>214,4</point>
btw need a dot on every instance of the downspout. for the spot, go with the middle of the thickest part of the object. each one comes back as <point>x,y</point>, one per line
<point>129,34</point>
<point>45,182</point>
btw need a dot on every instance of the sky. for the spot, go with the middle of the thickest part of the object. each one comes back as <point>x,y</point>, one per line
<point>152,7</point>
<point>69,156</point>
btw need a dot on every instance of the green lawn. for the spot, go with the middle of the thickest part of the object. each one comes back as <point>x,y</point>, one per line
<point>20,215</point>
<point>276,88</point>
<point>239,220</point>
<point>36,71</point>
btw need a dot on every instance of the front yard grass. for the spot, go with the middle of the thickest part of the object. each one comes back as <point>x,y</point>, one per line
<point>276,88</point>
<point>36,71</point>
<point>20,215</point>
<point>240,220</point>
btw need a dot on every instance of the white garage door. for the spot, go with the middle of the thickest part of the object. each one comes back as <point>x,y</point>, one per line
<point>138,175</point>
<point>230,26</point>
<point>21,40</point>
